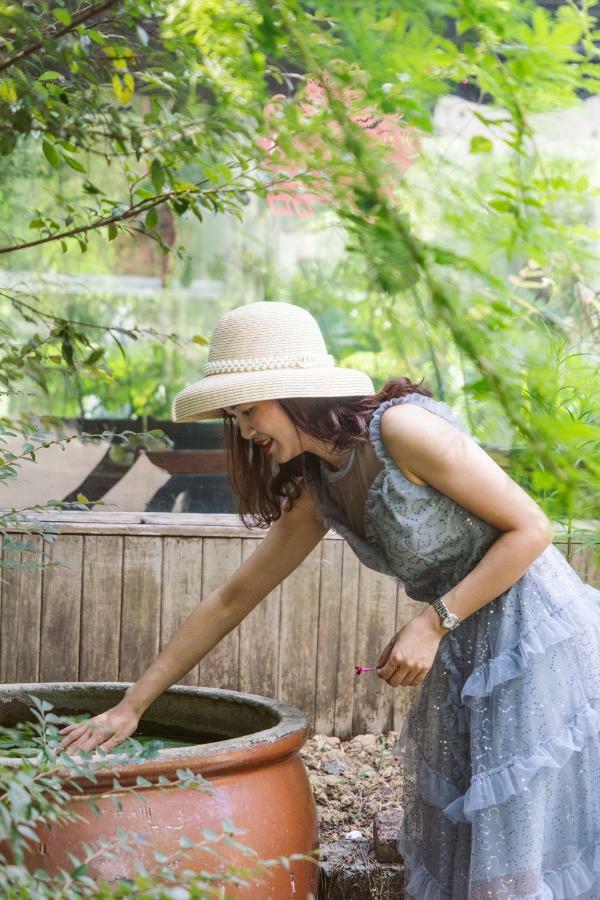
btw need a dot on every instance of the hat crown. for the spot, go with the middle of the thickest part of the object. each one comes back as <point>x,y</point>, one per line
<point>266,351</point>
<point>265,329</point>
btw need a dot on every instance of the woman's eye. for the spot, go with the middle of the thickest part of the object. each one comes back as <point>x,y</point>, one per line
<point>248,411</point>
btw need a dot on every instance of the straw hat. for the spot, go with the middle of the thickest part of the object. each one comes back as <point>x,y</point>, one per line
<point>266,351</point>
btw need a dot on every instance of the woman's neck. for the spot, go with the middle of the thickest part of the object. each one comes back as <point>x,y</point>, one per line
<point>335,459</point>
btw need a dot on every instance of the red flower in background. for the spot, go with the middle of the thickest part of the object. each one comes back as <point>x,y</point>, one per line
<point>294,198</point>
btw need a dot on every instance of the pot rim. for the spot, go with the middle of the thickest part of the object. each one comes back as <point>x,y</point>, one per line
<point>253,749</point>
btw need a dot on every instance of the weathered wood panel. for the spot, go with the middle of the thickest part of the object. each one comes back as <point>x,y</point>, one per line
<point>182,589</point>
<point>21,615</point>
<point>61,609</point>
<point>406,609</point>
<point>259,640</point>
<point>220,559</point>
<point>328,636</point>
<point>344,697</point>
<point>140,609</point>
<point>376,624</point>
<point>101,608</point>
<point>584,557</point>
<point>298,635</point>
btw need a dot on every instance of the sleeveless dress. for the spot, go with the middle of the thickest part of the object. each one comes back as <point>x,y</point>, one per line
<point>501,746</point>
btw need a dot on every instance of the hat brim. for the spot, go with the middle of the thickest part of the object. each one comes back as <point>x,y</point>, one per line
<point>206,398</point>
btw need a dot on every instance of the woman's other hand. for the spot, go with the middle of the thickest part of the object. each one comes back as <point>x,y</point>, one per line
<point>409,655</point>
<point>105,731</point>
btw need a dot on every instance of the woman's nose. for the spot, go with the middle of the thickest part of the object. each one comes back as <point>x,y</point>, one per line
<point>246,430</point>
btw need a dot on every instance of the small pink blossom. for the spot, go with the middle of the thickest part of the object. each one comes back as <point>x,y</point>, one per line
<point>360,669</point>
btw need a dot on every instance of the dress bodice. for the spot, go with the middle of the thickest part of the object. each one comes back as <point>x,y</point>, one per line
<point>410,531</point>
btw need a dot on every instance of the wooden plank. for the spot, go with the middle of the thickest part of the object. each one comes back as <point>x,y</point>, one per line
<point>298,637</point>
<point>328,636</point>
<point>406,609</point>
<point>155,524</point>
<point>259,640</point>
<point>21,606</point>
<point>220,558</point>
<point>101,608</point>
<point>583,556</point>
<point>592,570</point>
<point>140,611</point>
<point>181,589</point>
<point>376,624</point>
<point>346,676</point>
<point>61,610</point>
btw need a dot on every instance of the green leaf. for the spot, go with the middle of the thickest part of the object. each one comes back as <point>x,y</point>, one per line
<point>112,231</point>
<point>503,206</point>
<point>480,144</point>
<point>51,154</point>
<point>63,16</point>
<point>94,356</point>
<point>198,339</point>
<point>157,175</point>
<point>50,75</point>
<point>74,163</point>
<point>83,869</point>
<point>152,218</point>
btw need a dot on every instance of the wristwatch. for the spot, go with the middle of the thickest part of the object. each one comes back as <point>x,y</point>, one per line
<point>449,619</point>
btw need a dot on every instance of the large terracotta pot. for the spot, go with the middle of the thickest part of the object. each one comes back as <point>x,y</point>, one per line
<point>252,762</point>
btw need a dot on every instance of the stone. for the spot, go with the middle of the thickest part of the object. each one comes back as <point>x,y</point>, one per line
<point>386,824</point>
<point>335,767</point>
<point>350,871</point>
<point>354,836</point>
<point>365,740</point>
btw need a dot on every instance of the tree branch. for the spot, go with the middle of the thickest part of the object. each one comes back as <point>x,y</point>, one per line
<point>83,16</point>
<point>138,209</point>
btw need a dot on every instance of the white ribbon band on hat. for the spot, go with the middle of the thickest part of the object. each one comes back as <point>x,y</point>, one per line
<point>258,363</point>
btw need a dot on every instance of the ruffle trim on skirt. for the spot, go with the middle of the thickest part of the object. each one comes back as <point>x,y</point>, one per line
<point>568,881</point>
<point>510,663</point>
<point>496,785</point>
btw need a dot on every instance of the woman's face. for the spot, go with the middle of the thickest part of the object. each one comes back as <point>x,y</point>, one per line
<point>267,424</point>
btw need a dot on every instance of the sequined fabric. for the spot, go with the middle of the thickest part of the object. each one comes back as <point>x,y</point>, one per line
<point>501,745</point>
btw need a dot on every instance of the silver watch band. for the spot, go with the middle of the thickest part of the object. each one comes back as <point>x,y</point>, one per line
<point>449,619</point>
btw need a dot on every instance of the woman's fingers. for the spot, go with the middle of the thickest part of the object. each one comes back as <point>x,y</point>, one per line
<point>71,737</point>
<point>385,653</point>
<point>68,728</point>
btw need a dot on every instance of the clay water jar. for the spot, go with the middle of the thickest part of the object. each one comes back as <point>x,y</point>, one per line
<point>248,750</point>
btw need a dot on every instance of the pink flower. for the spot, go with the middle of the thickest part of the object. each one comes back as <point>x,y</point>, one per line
<point>360,669</point>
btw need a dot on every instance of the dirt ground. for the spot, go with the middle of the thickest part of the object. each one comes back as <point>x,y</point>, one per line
<point>352,780</point>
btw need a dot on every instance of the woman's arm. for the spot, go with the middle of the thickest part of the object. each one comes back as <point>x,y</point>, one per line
<point>455,465</point>
<point>287,542</point>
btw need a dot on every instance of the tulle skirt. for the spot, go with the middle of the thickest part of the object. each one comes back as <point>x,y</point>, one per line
<point>501,749</point>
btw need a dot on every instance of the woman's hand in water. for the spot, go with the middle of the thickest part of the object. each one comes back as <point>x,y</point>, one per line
<point>105,731</point>
<point>409,655</point>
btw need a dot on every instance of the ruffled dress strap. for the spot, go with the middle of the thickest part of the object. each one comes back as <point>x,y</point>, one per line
<point>435,406</point>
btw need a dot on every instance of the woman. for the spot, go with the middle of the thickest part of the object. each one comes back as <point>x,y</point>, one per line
<point>500,747</point>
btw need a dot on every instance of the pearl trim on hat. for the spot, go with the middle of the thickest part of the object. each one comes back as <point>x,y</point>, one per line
<point>258,363</point>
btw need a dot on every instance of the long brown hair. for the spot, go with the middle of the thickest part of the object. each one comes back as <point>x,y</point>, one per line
<point>342,421</point>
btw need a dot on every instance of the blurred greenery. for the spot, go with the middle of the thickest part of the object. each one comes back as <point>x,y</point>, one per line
<point>147,141</point>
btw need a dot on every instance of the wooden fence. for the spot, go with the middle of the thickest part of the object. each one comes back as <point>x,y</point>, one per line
<point>128,580</point>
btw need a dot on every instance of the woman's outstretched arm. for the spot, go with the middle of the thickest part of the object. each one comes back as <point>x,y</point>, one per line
<point>287,542</point>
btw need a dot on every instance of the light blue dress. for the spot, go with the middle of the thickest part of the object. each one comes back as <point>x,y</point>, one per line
<point>501,745</point>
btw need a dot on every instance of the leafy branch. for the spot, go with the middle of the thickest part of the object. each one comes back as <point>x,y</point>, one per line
<point>54,31</point>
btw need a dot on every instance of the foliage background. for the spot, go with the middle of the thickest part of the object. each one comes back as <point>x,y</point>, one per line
<point>134,145</point>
